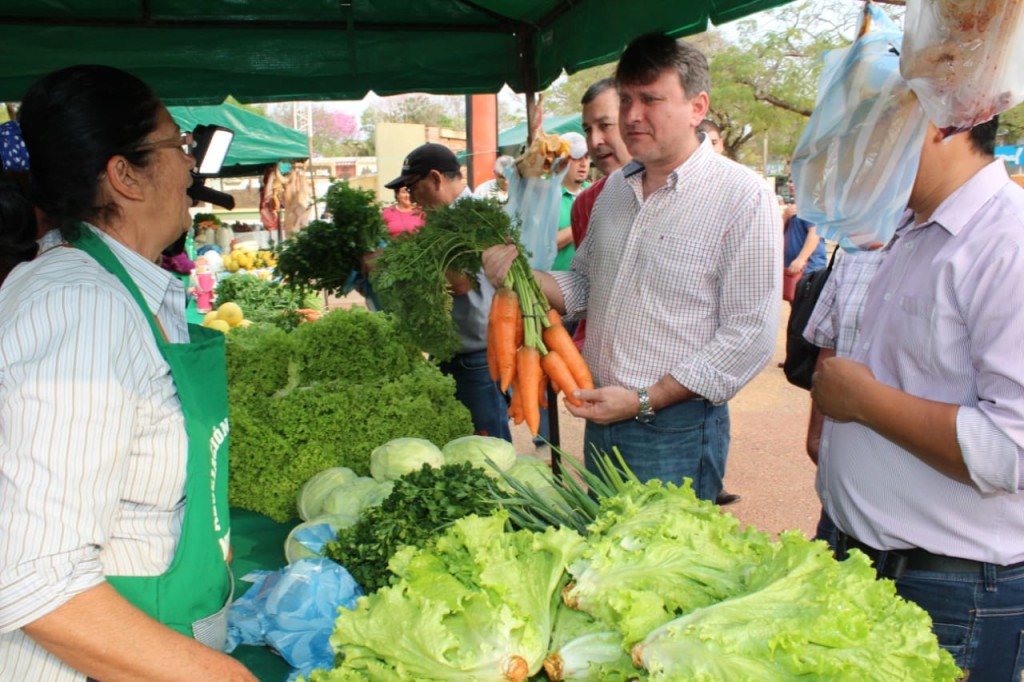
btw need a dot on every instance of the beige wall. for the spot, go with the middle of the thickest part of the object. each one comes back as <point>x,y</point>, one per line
<point>393,142</point>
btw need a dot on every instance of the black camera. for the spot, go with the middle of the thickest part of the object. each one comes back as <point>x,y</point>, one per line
<point>212,144</point>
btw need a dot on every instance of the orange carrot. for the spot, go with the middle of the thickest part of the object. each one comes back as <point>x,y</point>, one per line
<point>505,324</point>
<point>528,375</point>
<point>492,362</point>
<point>555,366</point>
<point>516,407</point>
<point>556,338</point>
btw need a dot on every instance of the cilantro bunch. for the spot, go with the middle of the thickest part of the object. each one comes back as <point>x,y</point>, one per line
<point>421,505</point>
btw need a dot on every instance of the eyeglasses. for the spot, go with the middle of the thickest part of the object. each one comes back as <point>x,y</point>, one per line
<point>184,141</point>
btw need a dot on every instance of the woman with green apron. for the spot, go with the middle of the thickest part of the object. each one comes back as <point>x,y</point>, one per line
<point>115,536</point>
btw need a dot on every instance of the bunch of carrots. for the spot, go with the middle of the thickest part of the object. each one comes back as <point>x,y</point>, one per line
<point>527,347</point>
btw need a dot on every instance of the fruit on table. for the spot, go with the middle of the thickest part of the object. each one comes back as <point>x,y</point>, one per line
<point>225,317</point>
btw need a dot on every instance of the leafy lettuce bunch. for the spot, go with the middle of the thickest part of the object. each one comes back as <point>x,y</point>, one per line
<point>325,396</point>
<point>805,616</point>
<point>476,606</point>
<point>656,551</point>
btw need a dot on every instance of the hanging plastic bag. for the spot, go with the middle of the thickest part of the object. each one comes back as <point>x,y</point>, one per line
<point>535,202</point>
<point>293,611</point>
<point>857,158</point>
<point>964,59</point>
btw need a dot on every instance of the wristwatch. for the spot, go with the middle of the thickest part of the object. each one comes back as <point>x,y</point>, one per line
<point>646,413</point>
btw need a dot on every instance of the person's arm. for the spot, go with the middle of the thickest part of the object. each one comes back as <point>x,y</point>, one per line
<point>614,403</point>
<point>99,633</point>
<point>810,244</point>
<point>564,237</point>
<point>817,418</point>
<point>847,391</point>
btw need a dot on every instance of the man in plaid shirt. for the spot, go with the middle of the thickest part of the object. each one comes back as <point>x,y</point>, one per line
<point>678,278</point>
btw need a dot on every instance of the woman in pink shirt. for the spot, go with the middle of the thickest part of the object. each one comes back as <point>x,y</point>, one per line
<point>402,216</point>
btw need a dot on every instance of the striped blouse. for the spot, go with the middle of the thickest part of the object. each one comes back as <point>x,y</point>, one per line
<point>92,439</point>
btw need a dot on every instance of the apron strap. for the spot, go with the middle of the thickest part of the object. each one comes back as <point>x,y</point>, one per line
<point>89,242</point>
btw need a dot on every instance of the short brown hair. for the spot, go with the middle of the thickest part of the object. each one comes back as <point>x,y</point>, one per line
<point>648,56</point>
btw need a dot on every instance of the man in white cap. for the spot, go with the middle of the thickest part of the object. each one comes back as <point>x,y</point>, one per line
<point>496,187</point>
<point>574,182</point>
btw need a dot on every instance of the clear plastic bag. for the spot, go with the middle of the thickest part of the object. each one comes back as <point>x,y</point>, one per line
<point>293,611</point>
<point>536,203</point>
<point>857,158</point>
<point>964,59</point>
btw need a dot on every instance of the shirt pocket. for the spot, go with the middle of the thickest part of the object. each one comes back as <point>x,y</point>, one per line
<point>916,333</point>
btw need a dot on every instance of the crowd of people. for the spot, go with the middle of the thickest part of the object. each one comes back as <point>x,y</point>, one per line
<point>113,551</point>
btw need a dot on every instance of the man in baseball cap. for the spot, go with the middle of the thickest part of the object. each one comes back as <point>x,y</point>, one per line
<point>573,183</point>
<point>434,178</point>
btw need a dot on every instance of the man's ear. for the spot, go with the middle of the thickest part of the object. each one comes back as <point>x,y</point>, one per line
<point>124,178</point>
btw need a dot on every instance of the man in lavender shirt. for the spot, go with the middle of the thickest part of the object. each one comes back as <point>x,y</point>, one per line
<point>922,462</point>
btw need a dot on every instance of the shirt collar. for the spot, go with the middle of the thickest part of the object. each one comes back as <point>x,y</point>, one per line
<point>957,210</point>
<point>696,160</point>
<point>152,280</point>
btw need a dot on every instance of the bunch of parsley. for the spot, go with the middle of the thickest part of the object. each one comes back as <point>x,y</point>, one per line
<point>410,274</point>
<point>421,506</point>
<point>324,253</point>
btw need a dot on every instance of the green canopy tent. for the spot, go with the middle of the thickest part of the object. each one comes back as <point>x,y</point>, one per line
<point>258,141</point>
<point>199,51</point>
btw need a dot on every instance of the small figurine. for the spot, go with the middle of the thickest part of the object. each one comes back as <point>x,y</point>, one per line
<point>205,283</point>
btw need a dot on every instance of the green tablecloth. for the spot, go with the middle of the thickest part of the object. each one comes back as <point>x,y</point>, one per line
<point>258,544</point>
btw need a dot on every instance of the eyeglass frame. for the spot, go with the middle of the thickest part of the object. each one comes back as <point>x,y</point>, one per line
<point>183,141</point>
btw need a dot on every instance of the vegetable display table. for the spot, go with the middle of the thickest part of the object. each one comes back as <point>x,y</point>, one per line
<point>258,544</point>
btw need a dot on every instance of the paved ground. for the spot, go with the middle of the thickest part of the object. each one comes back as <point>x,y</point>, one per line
<point>767,465</point>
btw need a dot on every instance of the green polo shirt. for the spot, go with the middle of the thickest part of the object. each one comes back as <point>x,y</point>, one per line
<point>565,254</point>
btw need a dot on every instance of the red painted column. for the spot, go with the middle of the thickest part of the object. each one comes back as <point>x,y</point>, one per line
<point>481,137</point>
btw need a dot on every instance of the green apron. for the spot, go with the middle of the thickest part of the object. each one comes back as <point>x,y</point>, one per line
<point>192,595</point>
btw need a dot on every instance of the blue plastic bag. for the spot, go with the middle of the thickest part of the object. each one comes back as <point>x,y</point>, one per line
<point>293,611</point>
<point>535,202</point>
<point>857,157</point>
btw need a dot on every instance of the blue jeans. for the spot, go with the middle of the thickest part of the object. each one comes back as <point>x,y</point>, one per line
<point>978,617</point>
<point>481,396</point>
<point>685,440</point>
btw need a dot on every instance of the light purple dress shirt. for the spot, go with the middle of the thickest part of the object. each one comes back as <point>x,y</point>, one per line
<point>944,321</point>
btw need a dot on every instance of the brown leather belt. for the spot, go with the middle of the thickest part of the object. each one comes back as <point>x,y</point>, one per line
<point>899,561</point>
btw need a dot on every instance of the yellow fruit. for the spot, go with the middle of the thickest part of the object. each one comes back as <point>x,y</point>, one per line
<point>245,323</point>
<point>230,313</point>
<point>209,317</point>
<point>220,325</point>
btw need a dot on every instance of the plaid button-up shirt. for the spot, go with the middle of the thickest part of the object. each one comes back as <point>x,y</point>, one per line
<point>684,282</point>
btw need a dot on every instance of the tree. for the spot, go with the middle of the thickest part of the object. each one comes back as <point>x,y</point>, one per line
<point>564,95</point>
<point>446,111</point>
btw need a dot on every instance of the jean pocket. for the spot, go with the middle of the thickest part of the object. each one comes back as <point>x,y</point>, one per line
<point>473,362</point>
<point>954,638</point>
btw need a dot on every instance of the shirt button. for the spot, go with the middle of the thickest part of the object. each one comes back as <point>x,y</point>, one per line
<point>824,443</point>
<point>909,246</point>
<point>866,345</point>
<point>887,296</point>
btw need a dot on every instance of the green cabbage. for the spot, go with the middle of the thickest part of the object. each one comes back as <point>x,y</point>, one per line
<point>400,456</point>
<point>356,496</point>
<point>535,473</point>
<point>478,449</point>
<point>316,489</point>
<point>295,550</point>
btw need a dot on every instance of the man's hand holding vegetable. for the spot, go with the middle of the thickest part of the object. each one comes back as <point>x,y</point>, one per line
<point>601,405</point>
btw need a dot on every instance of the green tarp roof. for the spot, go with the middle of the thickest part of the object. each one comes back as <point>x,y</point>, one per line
<point>258,141</point>
<point>199,51</point>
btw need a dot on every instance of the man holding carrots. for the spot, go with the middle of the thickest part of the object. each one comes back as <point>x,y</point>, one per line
<point>433,176</point>
<point>678,279</point>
